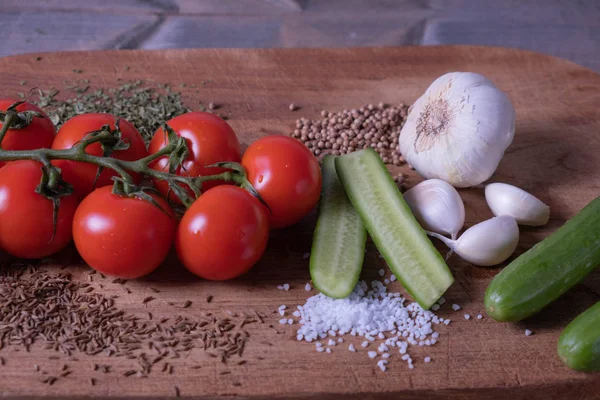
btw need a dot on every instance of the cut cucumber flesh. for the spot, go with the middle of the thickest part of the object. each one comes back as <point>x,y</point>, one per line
<point>539,276</point>
<point>579,344</point>
<point>398,236</point>
<point>338,248</point>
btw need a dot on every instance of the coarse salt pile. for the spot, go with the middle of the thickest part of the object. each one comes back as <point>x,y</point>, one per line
<point>369,313</point>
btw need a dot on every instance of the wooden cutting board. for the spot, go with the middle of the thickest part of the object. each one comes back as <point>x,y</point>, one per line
<point>555,155</point>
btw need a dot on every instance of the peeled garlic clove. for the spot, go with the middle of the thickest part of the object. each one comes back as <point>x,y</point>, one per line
<point>437,206</point>
<point>488,243</point>
<point>458,129</point>
<point>524,207</point>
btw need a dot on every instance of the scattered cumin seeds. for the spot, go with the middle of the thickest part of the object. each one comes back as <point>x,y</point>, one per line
<point>209,298</point>
<point>224,372</point>
<point>177,391</point>
<point>155,290</point>
<point>92,382</point>
<point>148,299</point>
<point>187,304</point>
<point>236,384</point>
<point>130,372</point>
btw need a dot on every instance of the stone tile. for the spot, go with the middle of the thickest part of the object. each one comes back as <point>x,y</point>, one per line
<point>575,41</point>
<point>237,7</point>
<point>215,31</point>
<point>362,7</point>
<point>54,31</point>
<point>289,30</point>
<point>108,6</point>
<point>316,30</point>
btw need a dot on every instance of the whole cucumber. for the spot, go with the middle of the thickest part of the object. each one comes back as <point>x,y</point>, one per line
<point>550,268</point>
<point>579,344</point>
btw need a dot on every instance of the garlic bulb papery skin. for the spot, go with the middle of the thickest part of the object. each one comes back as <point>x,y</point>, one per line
<point>525,208</point>
<point>488,243</point>
<point>458,129</point>
<point>437,206</point>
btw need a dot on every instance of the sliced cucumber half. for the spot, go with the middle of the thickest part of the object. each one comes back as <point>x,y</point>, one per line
<point>338,247</point>
<point>398,236</point>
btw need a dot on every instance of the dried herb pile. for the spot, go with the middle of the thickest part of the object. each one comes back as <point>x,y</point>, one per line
<point>146,105</point>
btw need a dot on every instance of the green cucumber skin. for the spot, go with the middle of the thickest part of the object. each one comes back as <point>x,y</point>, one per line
<point>579,343</point>
<point>433,272</point>
<point>539,276</point>
<point>339,222</point>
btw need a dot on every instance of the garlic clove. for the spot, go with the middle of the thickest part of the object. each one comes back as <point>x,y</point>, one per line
<point>437,206</point>
<point>487,243</point>
<point>525,208</point>
<point>458,129</point>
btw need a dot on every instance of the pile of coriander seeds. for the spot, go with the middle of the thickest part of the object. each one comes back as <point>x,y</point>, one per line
<point>375,126</point>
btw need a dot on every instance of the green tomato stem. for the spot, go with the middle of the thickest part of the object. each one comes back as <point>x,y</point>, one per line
<point>123,168</point>
<point>10,117</point>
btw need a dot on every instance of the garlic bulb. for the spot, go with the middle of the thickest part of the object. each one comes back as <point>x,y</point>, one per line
<point>458,130</point>
<point>437,206</point>
<point>524,207</point>
<point>488,243</point>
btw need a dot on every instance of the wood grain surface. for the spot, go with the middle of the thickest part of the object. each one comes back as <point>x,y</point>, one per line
<point>555,155</point>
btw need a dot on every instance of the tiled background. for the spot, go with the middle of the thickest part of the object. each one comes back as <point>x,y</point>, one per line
<point>569,29</point>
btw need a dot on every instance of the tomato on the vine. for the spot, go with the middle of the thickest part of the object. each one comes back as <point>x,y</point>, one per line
<point>223,234</point>
<point>209,140</point>
<point>286,175</point>
<point>26,217</point>
<point>39,134</point>
<point>127,237</point>
<point>82,175</point>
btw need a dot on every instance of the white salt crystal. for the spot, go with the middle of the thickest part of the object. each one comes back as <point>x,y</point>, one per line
<point>528,332</point>
<point>427,359</point>
<point>307,287</point>
<point>393,278</point>
<point>372,354</point>
<point>305,256</point>
<point>467,316</point>
<point>435,307</point>
<point>286,286</point>
<point>479,316</point>
<point>381,272</point>
<point>328,350</point>
<point>351,348</point>
<point>365,343</point>
<point>455,307</point>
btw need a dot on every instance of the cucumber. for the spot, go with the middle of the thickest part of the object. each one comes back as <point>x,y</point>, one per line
<point>579,343</point>
<point>398,236</point>
<point>550,268</point>
<point>338,248</point>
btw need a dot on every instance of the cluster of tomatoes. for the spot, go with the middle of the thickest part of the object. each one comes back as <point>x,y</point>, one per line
<point>220,236</point>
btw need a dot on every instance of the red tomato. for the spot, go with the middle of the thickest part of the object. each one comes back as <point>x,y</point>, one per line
<point>223,234</point>
<point>123,236</point>
<point>81,175</point>
<point>209,140</point>
<point>286,175</point>
<point>39,134</point>
<point>26,218</point>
